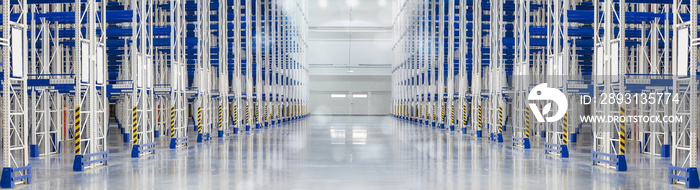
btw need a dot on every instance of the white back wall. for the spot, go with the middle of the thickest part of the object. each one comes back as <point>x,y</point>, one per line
<point>350,52</point>
<point>377,89</point>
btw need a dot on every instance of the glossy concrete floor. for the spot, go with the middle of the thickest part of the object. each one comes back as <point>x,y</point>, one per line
<point>324,152</point>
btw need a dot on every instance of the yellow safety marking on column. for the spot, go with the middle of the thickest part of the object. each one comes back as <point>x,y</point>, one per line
<point>444,115</point>
<point>134,126</point>
<point>623,136</point>
<point>235,115</point>
<point>565,127</point>
<point>479,119</point>
<point>199,119</point>
<point>427,112</point>
<point>247,116</point>
<point>500,119</point>
<point>527,123</point>
<point>255,114</point>
<point>220,128</point>
<point>464,115</point>
<point>452,120</point>
<point>172,121</point>
<point>77,130</point>
<point>434,113</point>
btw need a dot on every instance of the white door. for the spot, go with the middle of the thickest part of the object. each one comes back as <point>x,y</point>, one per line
<point>359,103</point>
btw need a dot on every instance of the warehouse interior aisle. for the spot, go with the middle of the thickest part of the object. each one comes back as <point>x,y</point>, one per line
<point>349,94</point>
<point>346,152</point>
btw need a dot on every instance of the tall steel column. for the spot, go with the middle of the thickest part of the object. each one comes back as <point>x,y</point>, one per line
<point>249,108</point>
<point>496,117</point>
<point>90,97</point>
<point>223,109</point>
<point>141,58</point>
<point>684,148</point>
<point>558,62</point>
<point>521,75</point>
<point>238,108</point>
<point>14,115</point>
<point>178,76</point>
<point>610,64</point>
<point>203,75</point>
<point>477,39</point>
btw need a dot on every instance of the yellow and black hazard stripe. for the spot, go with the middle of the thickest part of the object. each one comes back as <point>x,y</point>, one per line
<point>444,115</point>
<point>172,121</point>
<point>255,114</point>
<point>134,126</point>
<point>77,130</point>
<point>623,136</point>
<point>464,115</point>
<point>527,123</point>
<point>199,120</point>
<point>265,117</point>
<point>565,127</point>
<point>479,119</point>
<point>452,120</point>
<point>235,115</point>
<point>247,115</point>
<point>220,121</point>
<point>500,119</point>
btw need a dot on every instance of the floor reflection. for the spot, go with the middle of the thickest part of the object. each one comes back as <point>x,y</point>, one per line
<point>446,160</point>
<point>349,153</point>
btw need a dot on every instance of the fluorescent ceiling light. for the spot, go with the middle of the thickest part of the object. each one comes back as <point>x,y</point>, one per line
<point>350,71</point>
<point>323,3</point>
<point>338,95</point>
<point>382,3</point>
<point>359,95</point>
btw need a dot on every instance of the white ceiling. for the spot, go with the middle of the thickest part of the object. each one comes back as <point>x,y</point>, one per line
<point>344,38</point>
<point>338,12</point>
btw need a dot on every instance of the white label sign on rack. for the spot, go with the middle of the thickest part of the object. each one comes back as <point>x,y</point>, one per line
<point>122,86</point>
<point>100,69</point>
<point>174,75</point>
<point>200,78</point>
<point>599,63</point>
<point>149,71</point>
<point>17,47</point>
<point>208,81</point>
<point>182,72</point>
<point>60,81</point>
<point>683,55</point>
<point>139,71</point>
<point>84,62</point>
<point>561,64</point>
<point>550,66</point>
<point>615,60</point>
<point>224,88</point>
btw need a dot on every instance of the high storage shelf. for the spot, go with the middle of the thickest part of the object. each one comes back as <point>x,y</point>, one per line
<point>147,69</point>
<point>469,66</point>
